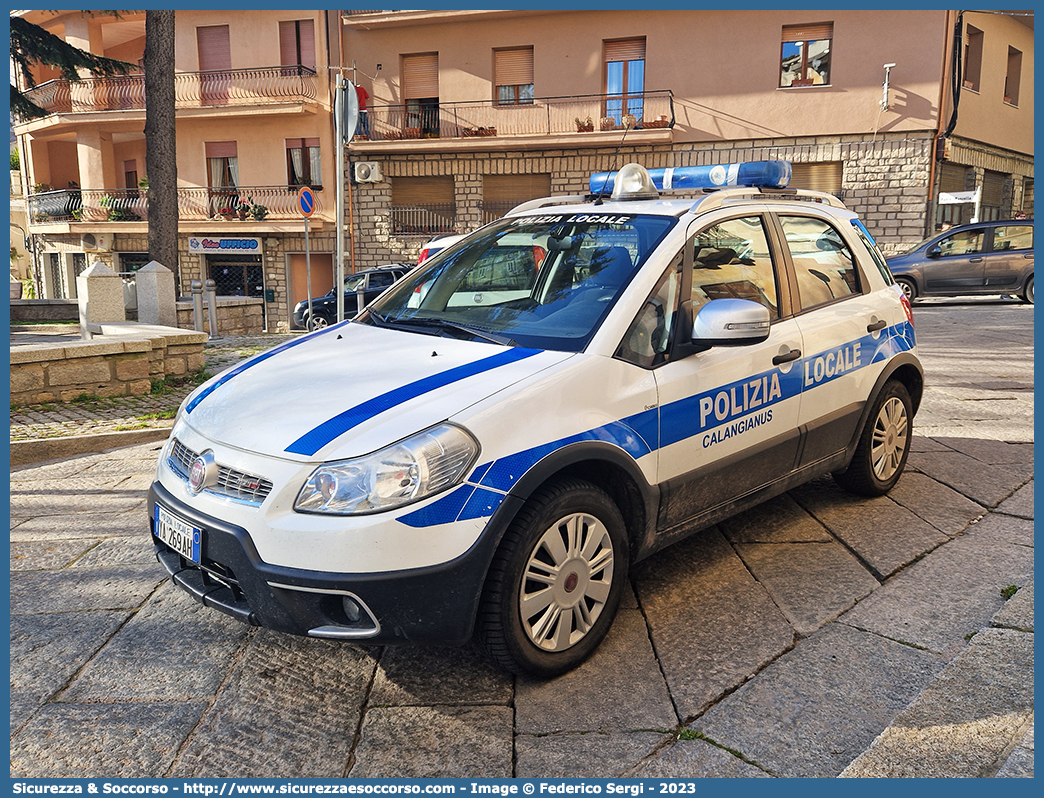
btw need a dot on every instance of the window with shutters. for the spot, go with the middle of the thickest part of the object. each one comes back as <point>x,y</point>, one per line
<point>972,58</point>
<point>423,205</point>
<point>222,176</point>
<point>954,179</point>
<point>825,176</point>
<point>805,54</point>
<point>297,43</point>
<point>624,78</point>
<point>420,89</point>
<point>303,167</point>
<point>130,175</point>
<point>513,75</point>
<point>215,63</point>
<point>501,193</point>
<point>1013,77</point>
<point>996,197</point>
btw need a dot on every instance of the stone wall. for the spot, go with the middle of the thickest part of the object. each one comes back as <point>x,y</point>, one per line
<point>30,310</point>
<point>125,361</point>
<point>235,316</point>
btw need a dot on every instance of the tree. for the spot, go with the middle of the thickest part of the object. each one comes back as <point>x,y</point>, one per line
<point>161,164</point>
<point>31,44</point>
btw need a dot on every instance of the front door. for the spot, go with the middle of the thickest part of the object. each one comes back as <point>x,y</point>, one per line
<point>238,275</point>
<point>959,266</point>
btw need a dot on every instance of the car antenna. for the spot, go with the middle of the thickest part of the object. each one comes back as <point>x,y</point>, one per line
<point>616,156</point>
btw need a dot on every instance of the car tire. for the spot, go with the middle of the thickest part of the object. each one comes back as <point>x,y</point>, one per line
<point>541,618</point>
<point>884,444</point>
<point>318,322</point>
<point>908,287</point>
<point>1027,292</point>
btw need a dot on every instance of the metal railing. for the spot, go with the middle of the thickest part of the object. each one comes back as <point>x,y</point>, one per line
<point>423,219</point>
<point>239,203</point>
<point>549,115</point>
<point>237,87</point>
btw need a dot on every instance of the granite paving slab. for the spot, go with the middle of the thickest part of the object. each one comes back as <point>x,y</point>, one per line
<point>46,650</point>
<point>434,742</point>
<point>83,525</point>
<point>424,675</point>
<point>779,520</point>
<point>712,625</point>
<point>1019,764</point>
<point>812,583</point>
<point>884,535</point>
<point>103,740</point>
<point>1019,503</point>
<point>253,727</point>
<point>68,501</point>
<point>119,551</point>
<point>951,593</point>
<point>173,648</point>
<point>697,759</point>
<point>965,722</point>
<point>992,452</point>
<point>815,709</point>
<point>941,506</point>
<point>110,588</point>
<point>47,555</point>
<point>1005,528</point>
<point>620,688</point>
<point>989,486</point>
<point>584,756</point>
<point>1017,612</point>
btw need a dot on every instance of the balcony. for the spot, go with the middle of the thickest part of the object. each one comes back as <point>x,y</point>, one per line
<point>549,116</point>
<point>242,203</point>
<point>235,87</point>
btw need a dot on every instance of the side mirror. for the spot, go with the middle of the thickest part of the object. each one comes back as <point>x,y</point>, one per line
<point>933,252</point>
<point>731,322</point>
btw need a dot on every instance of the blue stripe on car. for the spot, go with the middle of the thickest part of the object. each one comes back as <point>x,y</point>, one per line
<point>315,439</point>
<point>253,362</point>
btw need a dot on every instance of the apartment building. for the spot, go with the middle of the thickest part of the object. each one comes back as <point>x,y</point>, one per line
<point>254,124</point>
<point>471,112</point>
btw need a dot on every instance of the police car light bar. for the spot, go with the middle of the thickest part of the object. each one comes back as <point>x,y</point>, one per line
<point>751,174</point>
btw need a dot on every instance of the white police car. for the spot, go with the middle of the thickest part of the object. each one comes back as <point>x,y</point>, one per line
<point>472,465</point>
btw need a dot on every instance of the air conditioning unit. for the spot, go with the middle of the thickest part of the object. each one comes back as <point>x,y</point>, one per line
<point>367,172</point>
<point>95,242</point>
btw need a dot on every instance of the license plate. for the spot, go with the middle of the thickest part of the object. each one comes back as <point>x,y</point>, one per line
<point>179,534</point>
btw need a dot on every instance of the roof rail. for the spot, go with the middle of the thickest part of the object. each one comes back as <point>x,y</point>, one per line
<point>544,202</point>
<point>719,197</point>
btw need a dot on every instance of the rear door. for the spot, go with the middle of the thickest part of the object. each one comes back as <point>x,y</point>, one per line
<point>1009,258</point>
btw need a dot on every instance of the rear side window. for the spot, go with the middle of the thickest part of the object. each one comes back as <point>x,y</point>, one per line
<point>1012,236</point>
<point>732,259</point>
<point>823,263</point>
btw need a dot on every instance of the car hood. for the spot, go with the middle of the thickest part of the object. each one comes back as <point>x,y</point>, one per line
<point>352,389</point>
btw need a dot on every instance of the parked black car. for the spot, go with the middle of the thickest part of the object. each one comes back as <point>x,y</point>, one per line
<point>324,308</point>
<point>982,258</point>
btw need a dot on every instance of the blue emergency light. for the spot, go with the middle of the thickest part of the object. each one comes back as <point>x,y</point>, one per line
<point>761,174</point>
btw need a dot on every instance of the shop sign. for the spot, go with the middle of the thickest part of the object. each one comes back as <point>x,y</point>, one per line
<point>223,244</point>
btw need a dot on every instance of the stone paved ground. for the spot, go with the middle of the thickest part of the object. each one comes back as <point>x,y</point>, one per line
<point>817,635</point>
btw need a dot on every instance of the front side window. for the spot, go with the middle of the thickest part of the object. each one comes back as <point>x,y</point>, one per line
<point>805,54</point>
<point>823,263</point>
<point>966,242</point>
<point>513,70</point>
<point>648,338</point>
<point>731,259</point>
<point>543,282</point>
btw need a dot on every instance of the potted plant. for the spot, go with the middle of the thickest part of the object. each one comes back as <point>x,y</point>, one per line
<point>242,209</point>
<point>607,123</point>
<point>630,121</point>
<point>585,125</point>
<point>257,211</point>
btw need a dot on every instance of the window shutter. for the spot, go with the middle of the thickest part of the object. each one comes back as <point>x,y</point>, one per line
<point>513,67</point>
<point>808,33</point>
<point>422,191</point>
<point>213,48</point>
<point>130,166</point>
<point>817,176</point>
<point>220,149</point>
<point>625,50</point>
<point>515,188</point>
<point>952,178</point>
<point>307,31</point>
<point>287,43</point>
<point>420,76</point>
<point>297,43</point>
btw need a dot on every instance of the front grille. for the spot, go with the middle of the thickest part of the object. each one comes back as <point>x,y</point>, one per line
<point>232,483</point>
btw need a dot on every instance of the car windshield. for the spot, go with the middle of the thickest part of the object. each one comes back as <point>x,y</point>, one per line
<point>544,282</point>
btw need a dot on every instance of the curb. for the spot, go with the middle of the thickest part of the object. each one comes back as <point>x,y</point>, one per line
<point>38,450</point>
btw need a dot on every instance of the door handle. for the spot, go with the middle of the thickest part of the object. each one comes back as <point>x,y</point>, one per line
<point>1029,256</point>
<point>974,260</point>
<point>877,325</point>
<point>786,357</point>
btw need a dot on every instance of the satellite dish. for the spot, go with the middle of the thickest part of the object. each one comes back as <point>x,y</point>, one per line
<point>350,106</point>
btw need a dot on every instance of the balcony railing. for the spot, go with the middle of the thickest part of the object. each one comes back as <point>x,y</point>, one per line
<point>240,203</point>
<point>550,115</point>
<point>261,86</point>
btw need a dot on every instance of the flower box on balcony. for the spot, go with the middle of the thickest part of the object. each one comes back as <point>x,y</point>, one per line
<point>411,133</point>
<point>652,123</point>
<point>475,132</point>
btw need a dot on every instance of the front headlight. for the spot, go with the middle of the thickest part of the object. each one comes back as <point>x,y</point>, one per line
<point>405,472</point>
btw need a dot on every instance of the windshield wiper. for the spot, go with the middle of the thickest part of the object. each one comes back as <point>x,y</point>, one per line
<point>478,332</point>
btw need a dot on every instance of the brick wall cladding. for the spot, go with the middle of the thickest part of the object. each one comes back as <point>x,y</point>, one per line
<point>884,180</point>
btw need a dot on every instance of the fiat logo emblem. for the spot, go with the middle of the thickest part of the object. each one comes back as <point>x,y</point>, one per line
<point>202,473</point>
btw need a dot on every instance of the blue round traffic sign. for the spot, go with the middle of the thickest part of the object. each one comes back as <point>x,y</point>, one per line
<point>306,201</point>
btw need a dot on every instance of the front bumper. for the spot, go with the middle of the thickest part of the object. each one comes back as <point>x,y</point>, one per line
<point>435,604</point>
